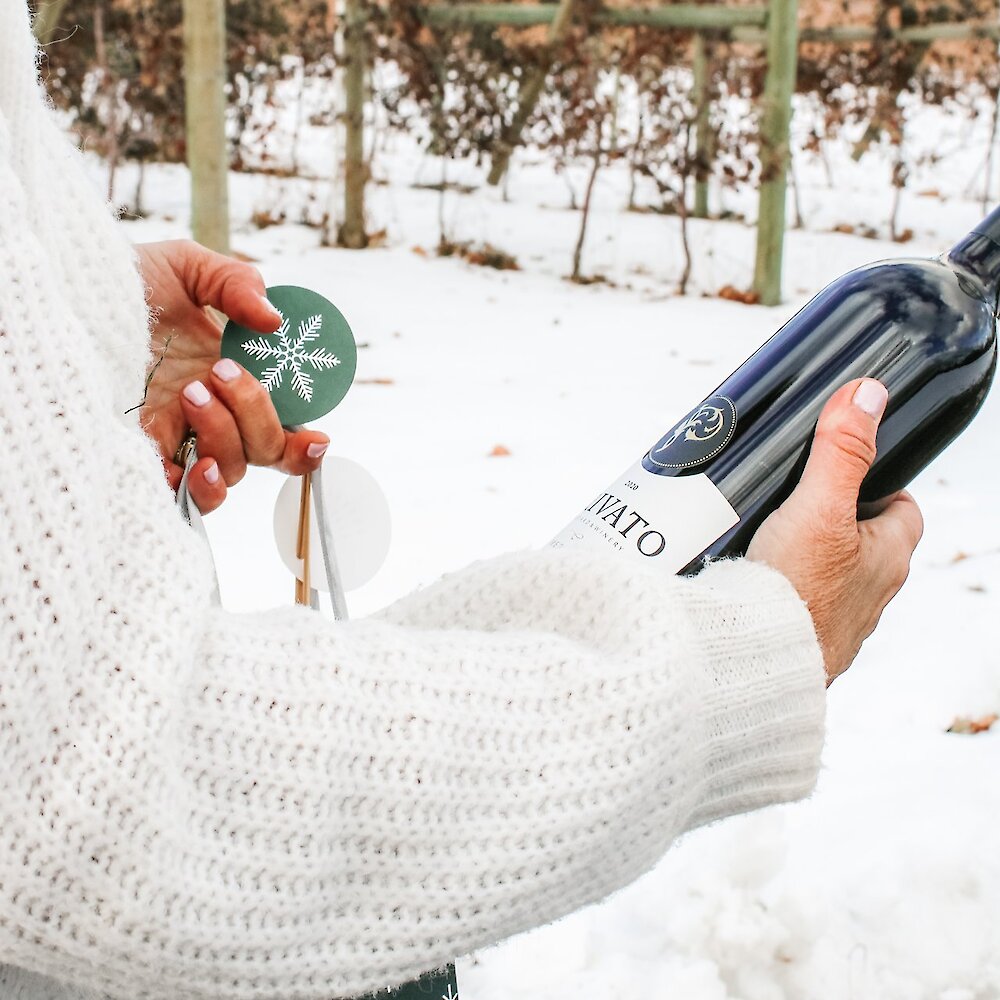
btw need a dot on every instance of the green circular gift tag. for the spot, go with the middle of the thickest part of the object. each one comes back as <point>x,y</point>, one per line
<point>308,365</point>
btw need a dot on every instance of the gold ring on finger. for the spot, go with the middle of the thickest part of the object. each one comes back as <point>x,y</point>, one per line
<point>185,448</point>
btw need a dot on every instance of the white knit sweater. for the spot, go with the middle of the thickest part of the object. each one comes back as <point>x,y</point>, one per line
<point>197,804</point>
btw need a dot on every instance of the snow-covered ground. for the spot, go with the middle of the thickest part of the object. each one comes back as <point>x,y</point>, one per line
<point>886,882</point>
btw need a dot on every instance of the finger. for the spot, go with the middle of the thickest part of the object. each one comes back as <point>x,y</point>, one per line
<point>900,525</point>
<point>890,539</point>
<point>232,287</point>
<point>206,485</point>
<point>868,509</point>
<point>304,451</point>
<point>173,472</point>
<point>250,405</point>
<point>265,441</point>
<point>843,448</point>
<point>217,432</point>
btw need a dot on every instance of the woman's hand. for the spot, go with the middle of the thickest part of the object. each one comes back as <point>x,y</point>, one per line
<point>191,388</point>
<point>846,571</point>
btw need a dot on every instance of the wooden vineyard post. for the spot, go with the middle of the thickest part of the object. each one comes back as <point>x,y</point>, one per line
<point>335,17</point>
<point>352,232</point>
<point>529,91</point>
<point>775,121</point>
<point>205,118</point>
<point>702,131</point>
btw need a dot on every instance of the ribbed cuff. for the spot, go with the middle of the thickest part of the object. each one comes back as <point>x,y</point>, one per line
<point>765,691</point>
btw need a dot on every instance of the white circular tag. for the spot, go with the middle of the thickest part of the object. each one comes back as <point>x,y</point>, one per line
<point>358,515</point>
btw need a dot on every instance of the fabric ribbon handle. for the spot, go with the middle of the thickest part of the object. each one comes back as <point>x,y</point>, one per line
<point>190,512</point>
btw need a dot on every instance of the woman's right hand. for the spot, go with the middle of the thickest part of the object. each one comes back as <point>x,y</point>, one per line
<point>845,570</point>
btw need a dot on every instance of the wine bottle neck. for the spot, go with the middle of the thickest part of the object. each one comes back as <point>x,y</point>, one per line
<point>979,253</point>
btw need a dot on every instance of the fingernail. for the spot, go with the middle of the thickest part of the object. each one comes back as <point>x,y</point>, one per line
<point>270,305</point>
<point>317,450</point>
<point>197,393</point>
<point>226,369</point>
<point>871,396</point>
<point>212,474</point>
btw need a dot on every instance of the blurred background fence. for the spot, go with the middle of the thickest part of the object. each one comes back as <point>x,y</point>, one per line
<point>690,96</point>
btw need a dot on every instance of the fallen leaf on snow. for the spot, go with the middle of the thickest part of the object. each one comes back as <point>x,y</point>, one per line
<point>734,294</point>
<point>970,727</point>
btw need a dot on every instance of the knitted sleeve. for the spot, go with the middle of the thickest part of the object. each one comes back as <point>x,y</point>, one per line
<point>203,805</point>
<point>331,808</point>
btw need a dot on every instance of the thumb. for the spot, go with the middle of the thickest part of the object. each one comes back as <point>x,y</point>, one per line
<point>234,288</point>
<point>844,446</point>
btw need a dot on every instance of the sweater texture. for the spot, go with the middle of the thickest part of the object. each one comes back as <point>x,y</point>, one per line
<point>200,805</point>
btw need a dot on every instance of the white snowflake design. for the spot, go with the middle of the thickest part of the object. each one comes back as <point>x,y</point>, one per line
<point>292,355</point>
<point>449,995</point>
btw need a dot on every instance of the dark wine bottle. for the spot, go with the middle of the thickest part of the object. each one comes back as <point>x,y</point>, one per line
<point>925,328</point>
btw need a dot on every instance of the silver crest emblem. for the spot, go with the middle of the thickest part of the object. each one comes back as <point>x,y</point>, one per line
<point>700,436</point>
<point>702,425</point>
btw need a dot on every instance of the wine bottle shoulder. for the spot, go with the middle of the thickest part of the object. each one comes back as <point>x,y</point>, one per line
<point>927,301</point>
<point>922,327</point>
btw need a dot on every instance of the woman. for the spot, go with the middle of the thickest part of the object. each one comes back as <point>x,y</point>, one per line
<point>207,805</point>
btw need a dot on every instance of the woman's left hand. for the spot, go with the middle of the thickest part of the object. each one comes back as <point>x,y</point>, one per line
<point>192,388</point>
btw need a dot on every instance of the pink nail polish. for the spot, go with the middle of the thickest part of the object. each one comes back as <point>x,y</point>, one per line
<point>226,369</point>
<point>871,396</point>
<point>212,474</point>
<point>196,393</point>
<point>317,450</point>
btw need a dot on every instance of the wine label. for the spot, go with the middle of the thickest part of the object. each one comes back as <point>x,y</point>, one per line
<point>659,520</point>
